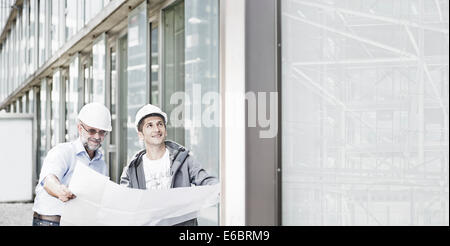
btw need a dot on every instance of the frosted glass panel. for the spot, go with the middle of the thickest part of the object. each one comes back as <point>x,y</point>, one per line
<point>365,112</point>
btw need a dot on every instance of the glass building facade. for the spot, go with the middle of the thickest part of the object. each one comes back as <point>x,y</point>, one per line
<point>119,67</point>
<point>361,86</point>
<point>365,112</point>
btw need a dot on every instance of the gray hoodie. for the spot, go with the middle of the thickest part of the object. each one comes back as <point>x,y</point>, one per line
<point>184,169</point>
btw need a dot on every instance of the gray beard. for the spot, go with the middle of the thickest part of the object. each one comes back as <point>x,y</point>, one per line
<point>86,146</point>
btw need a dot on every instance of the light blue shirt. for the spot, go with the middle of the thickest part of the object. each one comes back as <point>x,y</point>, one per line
<point>60,161</point>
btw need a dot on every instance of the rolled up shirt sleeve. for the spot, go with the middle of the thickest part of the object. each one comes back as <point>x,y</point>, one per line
<point>55,163</point>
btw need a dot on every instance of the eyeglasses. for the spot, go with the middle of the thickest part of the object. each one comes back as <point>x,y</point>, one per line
<point>93,131</point>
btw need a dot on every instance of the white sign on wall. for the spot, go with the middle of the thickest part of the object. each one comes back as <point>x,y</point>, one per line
<point>16,164</point>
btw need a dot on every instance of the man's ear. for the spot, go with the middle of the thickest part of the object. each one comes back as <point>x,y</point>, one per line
<point>141,136</point>
<point>79,128</point>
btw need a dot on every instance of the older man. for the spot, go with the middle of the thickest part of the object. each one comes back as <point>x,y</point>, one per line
<point>94,122</point>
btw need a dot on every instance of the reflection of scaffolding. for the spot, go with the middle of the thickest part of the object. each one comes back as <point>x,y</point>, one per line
<point>408,175</point>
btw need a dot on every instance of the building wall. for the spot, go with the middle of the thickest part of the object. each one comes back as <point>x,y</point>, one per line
<point>123,54</point>
<point>364,113</point>
<point>356,93</point>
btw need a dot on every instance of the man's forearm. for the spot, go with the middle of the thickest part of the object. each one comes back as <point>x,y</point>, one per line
<point>51,184</point>
<point>56,189</point>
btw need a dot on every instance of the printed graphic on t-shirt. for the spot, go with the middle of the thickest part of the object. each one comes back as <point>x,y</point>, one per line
<point>157,172</point>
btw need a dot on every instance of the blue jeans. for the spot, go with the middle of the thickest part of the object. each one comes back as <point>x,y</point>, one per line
<point>39,222</point>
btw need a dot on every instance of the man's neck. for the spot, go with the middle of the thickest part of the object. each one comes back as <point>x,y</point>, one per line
<point>155,152</point>
<point>91,153</point>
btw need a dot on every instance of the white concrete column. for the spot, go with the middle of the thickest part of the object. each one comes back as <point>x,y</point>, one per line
<point>232,90</point>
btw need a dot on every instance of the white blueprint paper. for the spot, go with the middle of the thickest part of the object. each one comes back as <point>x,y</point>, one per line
<point>102,202</point>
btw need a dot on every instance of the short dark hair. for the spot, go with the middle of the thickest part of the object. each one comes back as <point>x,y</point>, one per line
<point>140,124</point>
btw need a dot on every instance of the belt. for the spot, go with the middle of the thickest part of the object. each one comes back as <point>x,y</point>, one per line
<point>52,218</point>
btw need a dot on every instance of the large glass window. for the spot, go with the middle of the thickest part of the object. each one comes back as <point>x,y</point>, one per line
<point>154,76</point>
<point>30,101</point>
<point>54,28</point>
<point>113,91</point>
<point>92,7</point>
<point>3,73</point>
<point>20,47</point>
<point>42,118</point>
<point>70,18</point>
<point>10,62</point>
<point>173,19</point>
<point>14,57</point>
<point>32,37</point>
<point>122,113</point>
<point>202,87</point>
<point>19,105</point>
<point>2,85</point>
<point>14,107</point>
<point>25,31</point>
<point>73,98</point>
<point>99,71</point>
<point>191,83</point>
<point>56,108</point>
<point>365,113</point>
<point>42,31</point>
<point>137,72</point>
<point>88,81</point>
<point>24,104</point>
<point>81,13</point>
<point>114,168</point>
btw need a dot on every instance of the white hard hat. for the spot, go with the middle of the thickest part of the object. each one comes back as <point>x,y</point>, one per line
<point>95,115</point>
<point>147,110</point>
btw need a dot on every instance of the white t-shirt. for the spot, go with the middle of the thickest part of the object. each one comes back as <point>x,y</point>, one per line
<point>157,172</point>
